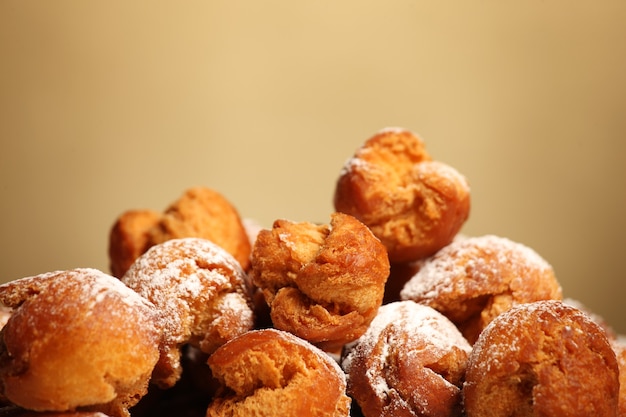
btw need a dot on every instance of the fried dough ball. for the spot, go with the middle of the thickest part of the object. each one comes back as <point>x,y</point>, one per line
<point>274,373</point>
<point>199,212</point>
<point>473,280</point>
<point>619,347</point>
<point>413,204</point>
<point>129,239</point>
<point>203,292</point>
<point>324,283</point>
<point>77,339</point>
<point>410,362</point>
<point>542,359</point>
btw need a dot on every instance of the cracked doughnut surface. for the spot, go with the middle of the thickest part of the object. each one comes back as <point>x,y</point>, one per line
<point>473,280</point>
<point>202,292</point>
<point>542,359</point>
<point>410,362</point>
<point>77,339</point>
<point>324,283</point>
<point>274,373</point>
<point>415,205</point>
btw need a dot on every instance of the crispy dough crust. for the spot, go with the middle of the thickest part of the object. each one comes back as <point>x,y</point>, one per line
<point>274,373</point>
<point>323,283</point>
<point>473,280</point>
<point>543,358</point>
<point>202,292</point>
<point>411,362</point>
<point>413,204</point>
<point>77,338</point>
<point>198,212</point>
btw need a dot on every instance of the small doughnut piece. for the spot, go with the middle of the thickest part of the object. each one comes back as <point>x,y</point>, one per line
<point>129,238</point>
<point>413,204</point>
<point>542,359</point>
<point>274,373</point>
<point>410,362</point>
<point>205,213</point>
<point>198,212</point>
<point>77,339</point>
<point>202,292</point>
<point>323,283</point>
<point>473,280</point>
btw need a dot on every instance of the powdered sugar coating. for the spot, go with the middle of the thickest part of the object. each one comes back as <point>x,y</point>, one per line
<point>181,275</point>
<point>77,338</point>
<point>461,266</point>
<point>202,292</point>
<point>405,334</point>
<point>473,280</point>
<point>94,287</point>
<point>545,357</point>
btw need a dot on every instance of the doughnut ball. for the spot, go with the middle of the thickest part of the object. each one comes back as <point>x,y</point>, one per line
<point>619,347</point>
<point>129,238</point>
<point>77,339</point>
<point>542,359</point>
<point>274,373</point>
<point>473,280</point>
<point>410,362</point>
<point>323,283</point>
<point>202,292</point>
<point>199,212</point>
<point>415,205</point>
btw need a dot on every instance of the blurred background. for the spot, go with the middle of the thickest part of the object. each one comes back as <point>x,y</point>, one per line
<point>108,106</point>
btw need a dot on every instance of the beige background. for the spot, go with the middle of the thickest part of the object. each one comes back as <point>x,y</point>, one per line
<point>106,106</point>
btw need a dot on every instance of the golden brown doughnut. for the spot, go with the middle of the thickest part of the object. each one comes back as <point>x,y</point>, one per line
<point>542,359</point>
<point>274,373</point>
<point>413,204</point>
<point>77,339</point>
<point>473,280</point>
<point>198,212</point>
<point>410,362</point>
<point>619,347</point>
<point>128,238</point>
<point>324,283</point>
<point>205,213</point>
<point>203,292</point>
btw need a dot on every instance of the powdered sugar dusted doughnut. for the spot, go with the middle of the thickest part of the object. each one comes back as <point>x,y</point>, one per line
<point>323,283</point>
<point>202,291</point>
<point>410,362</point>
<point>473,280</point>
<point>413,204</point>
<point>274,373</point>
<point>542,359</point>
<point>77,339</point>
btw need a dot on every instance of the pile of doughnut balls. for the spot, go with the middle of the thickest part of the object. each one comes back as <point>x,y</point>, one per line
<point>385,310</point>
